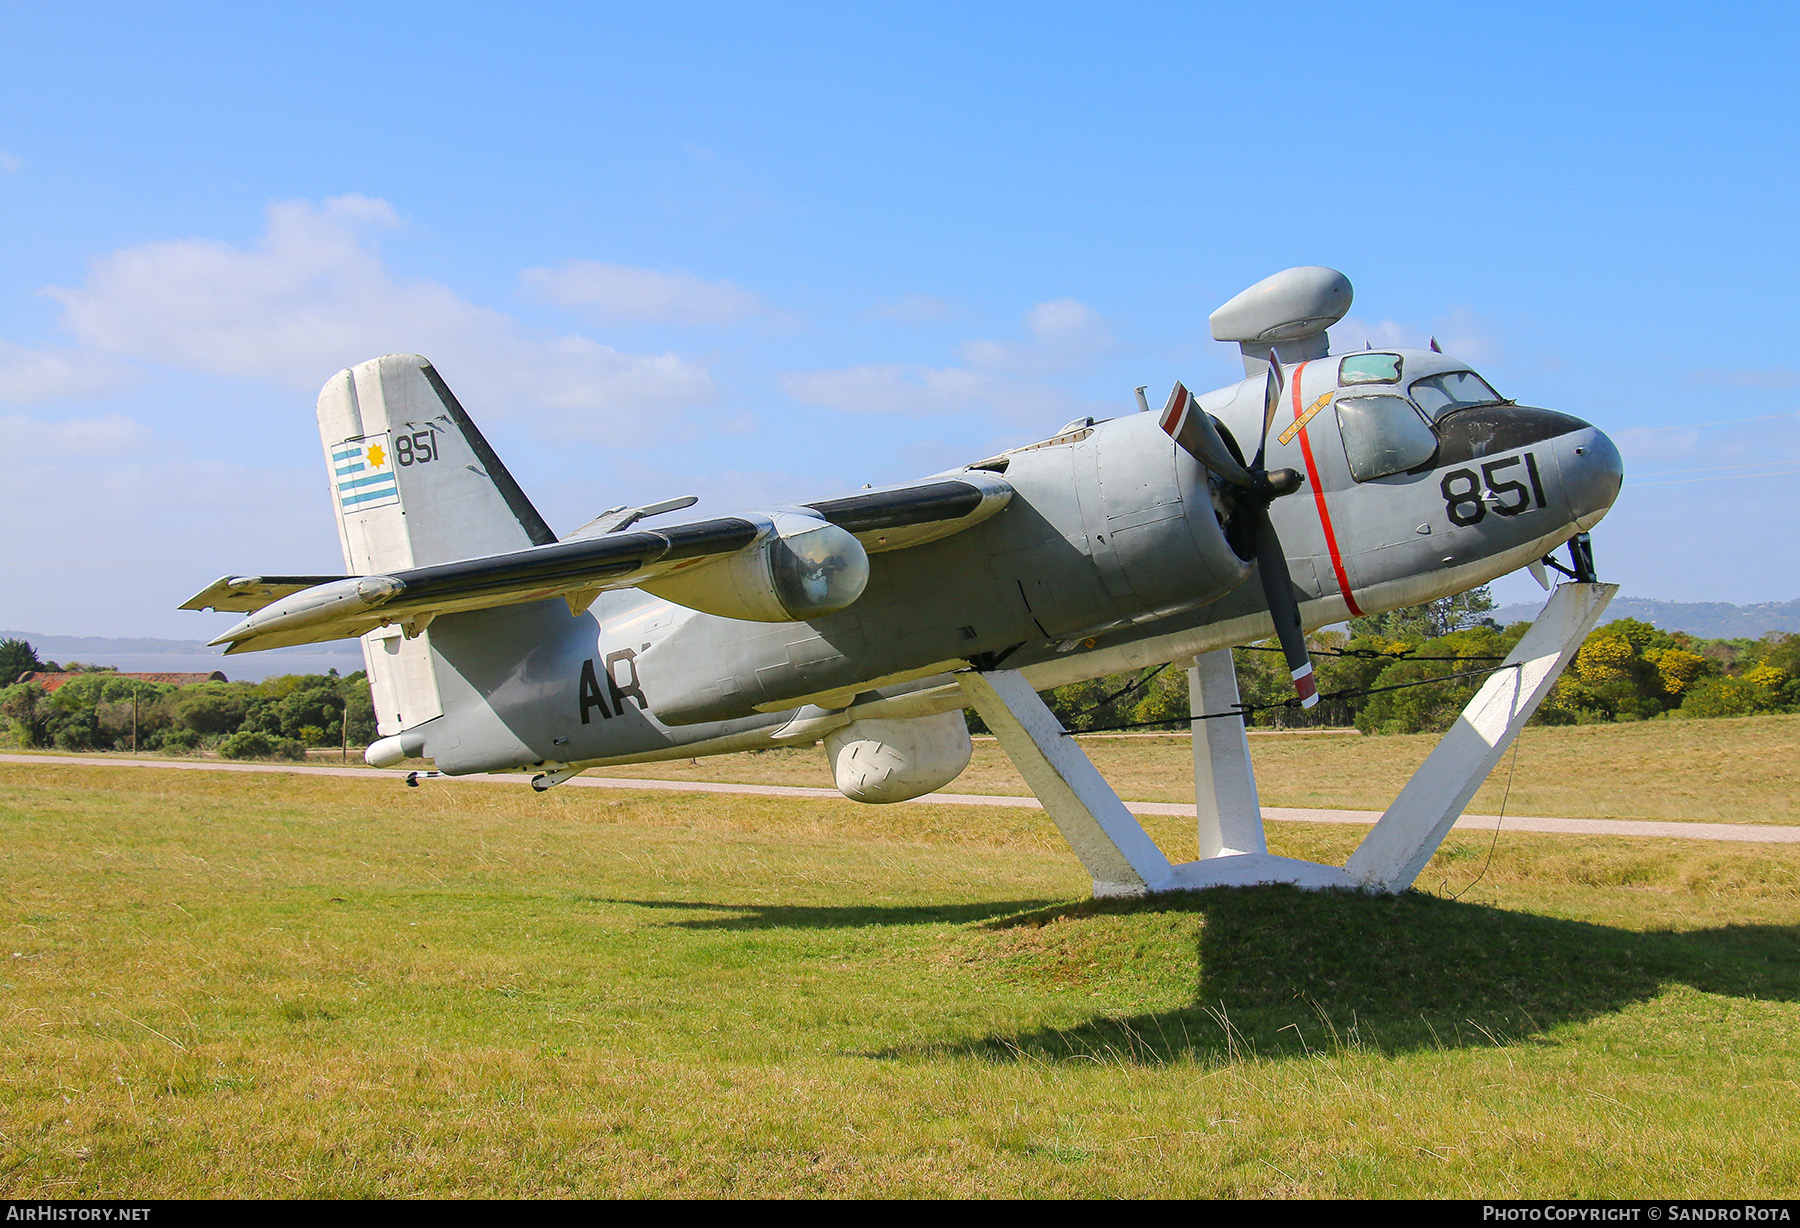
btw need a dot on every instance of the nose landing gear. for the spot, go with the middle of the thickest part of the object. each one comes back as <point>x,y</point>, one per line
<point>1581,560</point>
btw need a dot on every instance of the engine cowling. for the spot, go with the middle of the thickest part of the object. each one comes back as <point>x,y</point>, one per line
<point>799,568</point>
<point>894,761</point>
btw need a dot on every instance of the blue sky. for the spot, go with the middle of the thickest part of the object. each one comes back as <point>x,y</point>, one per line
<point>770,252</point>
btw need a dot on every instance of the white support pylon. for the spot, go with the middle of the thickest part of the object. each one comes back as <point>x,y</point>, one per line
<point>1122,858</point>
<point>1228,814</point>
<point>1392,854</point>
<point>1108,839</point>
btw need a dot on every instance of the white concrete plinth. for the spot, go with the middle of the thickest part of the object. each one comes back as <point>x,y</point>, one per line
<point>1250,870</point>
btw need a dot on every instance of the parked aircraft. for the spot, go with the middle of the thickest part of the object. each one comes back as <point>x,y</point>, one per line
<point>1346,483</point>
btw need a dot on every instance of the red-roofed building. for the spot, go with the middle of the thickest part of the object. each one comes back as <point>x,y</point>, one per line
<point>51,681</point>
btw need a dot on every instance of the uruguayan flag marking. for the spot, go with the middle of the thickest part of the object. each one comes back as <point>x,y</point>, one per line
<point>363,472</point>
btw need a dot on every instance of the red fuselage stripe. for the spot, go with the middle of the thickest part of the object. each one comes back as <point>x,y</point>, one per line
<point>1312,479</point>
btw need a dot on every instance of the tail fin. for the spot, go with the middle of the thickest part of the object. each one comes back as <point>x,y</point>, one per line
<point>413,483</point>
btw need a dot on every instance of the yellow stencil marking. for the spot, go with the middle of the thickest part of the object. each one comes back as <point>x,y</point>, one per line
<point>1287,436</point>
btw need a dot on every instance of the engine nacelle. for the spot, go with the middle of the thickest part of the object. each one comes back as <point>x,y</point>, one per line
<point>799,568</point>
<point>895,761</point>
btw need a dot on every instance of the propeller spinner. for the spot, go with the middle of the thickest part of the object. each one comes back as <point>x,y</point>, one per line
<point>1252,489</point>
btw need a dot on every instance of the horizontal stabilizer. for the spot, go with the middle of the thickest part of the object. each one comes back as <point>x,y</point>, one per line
<point>247,594</point>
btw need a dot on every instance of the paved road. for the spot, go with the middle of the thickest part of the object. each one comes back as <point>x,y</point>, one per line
<point>1741,832</point>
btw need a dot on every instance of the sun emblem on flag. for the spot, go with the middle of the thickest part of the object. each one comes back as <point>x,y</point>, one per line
<point>361,471</point>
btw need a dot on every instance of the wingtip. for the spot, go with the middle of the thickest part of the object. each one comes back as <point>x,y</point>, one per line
<point>233,637</point>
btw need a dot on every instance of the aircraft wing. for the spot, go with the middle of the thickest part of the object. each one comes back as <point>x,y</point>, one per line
<point>288,610</point>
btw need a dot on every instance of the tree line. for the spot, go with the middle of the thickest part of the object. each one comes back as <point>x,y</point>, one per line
<point>1626,670</point>
<point>102,709</point>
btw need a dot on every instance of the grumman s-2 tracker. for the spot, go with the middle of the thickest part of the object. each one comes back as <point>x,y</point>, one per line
<point>1346,484</point>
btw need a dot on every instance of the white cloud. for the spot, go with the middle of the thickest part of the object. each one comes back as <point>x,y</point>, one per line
<point>9,162</point>
<point>314,295</point>
<point>906,388</point>
<point>1063,333</point>
<point>121,525</point>
<point>721,492</point>
<point>1708,450</point>
<point>1460,332</point>
<point>914,309</point>
<point>999,376</point>
<point>29,441</point>
<point>34,376</point>
<point>1351,333</point>
<point>620,293</point>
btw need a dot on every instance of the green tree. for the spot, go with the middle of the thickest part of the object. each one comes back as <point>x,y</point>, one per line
<point>1163,700</point>
<point>1725,696</point>
<point>211,709</point>
<point>77,730</point>
<point>1434,705</point>
<point>262,715</point>
<point>1428,621</point>
<point>359,708</point>
<point>1782,650</point>
<point>317,708</point>
<point>126,704</point>
<point>16,657</point>
<point>27,710</point>
<point>251,744</point>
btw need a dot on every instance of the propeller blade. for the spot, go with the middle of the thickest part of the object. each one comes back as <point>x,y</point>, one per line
<point>1278,589</point>
<point>1273,385</point>
<point>1192,428</point>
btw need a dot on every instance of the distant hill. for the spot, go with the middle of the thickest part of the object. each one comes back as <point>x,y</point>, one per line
<point>1710,620</point>
<point>80,647</point>
<point>95,647</point>
<point>140,654</point>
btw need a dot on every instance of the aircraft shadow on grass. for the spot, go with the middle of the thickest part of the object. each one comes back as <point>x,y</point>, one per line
<point>800,916</point>
<point>1284,973</point>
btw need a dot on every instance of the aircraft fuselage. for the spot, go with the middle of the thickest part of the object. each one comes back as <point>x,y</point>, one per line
<point>1114,552</point>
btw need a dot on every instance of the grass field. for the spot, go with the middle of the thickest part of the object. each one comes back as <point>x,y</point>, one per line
<point>1744,770</point>
<point>221,984</point>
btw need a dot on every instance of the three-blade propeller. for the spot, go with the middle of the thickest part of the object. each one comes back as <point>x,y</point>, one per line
<point>1251,489</point>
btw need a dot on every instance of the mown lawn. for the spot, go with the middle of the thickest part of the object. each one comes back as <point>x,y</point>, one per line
<point>269,986</point>
<point>1740,770</point>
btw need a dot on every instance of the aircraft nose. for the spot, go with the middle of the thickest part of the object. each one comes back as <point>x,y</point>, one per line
<point>1593,471</point>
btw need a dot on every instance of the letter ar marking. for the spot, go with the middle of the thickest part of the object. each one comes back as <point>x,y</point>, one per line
<point>629,656</point>
<point>590,693</point>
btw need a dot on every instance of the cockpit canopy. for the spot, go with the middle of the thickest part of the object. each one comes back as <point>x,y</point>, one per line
<point>1386,431</point>
<point>1437,395</point>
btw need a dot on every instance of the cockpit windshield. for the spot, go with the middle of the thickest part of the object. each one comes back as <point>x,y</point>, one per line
<point>1439,394</point>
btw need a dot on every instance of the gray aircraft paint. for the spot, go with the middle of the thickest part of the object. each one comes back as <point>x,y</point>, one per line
<point>1107,556</point>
